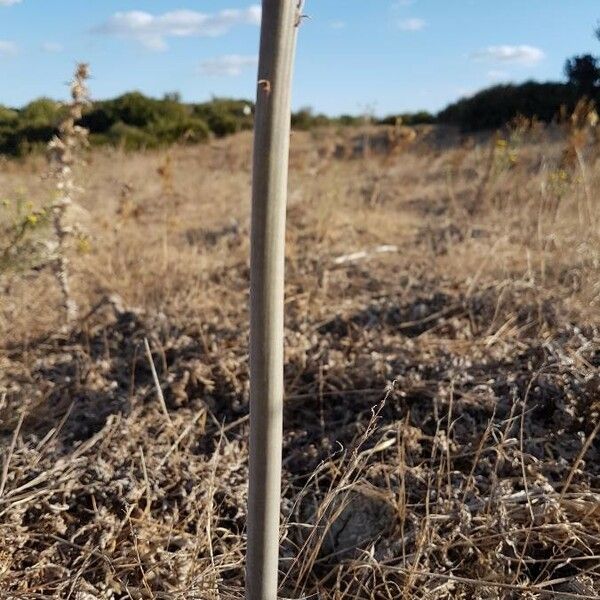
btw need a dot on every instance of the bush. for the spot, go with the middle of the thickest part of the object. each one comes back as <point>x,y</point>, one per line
<point>99,119</point>
<point>304,119</point>
<point>583,73</point>
<point>22,131</point>
<point>43,111</point>
<point>22,231</point>
<point>134,109</point>
<point>349,120</point>
<point>8,116</point>
<point>129,137</point>
<point>496,106</point>
<point>187,129</point>
<point>410,119</point>
<point>222,124</point>
<point>132,121</point>
<point>225,116</point>
<point>31,137</point>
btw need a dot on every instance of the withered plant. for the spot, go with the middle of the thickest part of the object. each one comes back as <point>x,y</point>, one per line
<point>63,153</point>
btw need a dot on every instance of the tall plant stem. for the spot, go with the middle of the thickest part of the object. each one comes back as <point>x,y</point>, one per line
<point>280,19</point>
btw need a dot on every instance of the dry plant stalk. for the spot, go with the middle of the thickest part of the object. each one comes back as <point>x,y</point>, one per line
<point>280,20</point>
<point>165,172</point>
<point>62,153</point>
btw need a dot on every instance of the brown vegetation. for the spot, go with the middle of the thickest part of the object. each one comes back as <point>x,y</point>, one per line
<point>442,355</point>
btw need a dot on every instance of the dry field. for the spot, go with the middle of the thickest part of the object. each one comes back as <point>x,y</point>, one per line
<point>442,356</point>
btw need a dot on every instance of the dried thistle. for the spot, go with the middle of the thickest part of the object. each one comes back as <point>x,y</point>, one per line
<point>62,154</point>
<point>581,127</point>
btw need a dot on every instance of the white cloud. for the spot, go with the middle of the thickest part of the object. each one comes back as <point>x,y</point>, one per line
<point>52,47</point>
<point>153,30</point>
<point>230,65</point>
<point>9,2</point>
<point>338,24</point>
<point>520,55</point>
<point>8,48</point>
<point>413,24</point>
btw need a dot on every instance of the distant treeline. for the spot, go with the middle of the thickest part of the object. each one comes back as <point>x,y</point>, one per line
<point>494,107</point>
<point>134,121</point>
<point>304,119</point>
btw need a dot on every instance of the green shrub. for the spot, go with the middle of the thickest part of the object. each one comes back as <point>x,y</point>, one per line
<point>225,116</point>
<point>583,73</point>
<point>129,137</point>
<point>43,111</point>
<point>496,106</point>
<point>410,119</point>
<point>22,131</point>
<point>8,116</point>
<point>22,231</point>
<point>349,120</point>
<point>186,129</point>
<point>134,109</point>
<point>304,119</point>
<point>99,118</point>
<point>222,124</point>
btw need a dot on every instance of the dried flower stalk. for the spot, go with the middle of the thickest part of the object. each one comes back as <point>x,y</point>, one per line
<point>62,152</point>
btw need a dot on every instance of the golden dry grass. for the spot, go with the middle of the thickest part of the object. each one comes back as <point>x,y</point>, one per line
<point>442,354</point>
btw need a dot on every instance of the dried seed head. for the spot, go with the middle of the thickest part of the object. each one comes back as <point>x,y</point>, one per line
<point>62,154</point>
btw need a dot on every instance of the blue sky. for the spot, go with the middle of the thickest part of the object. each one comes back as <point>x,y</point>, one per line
<point>354,55</point>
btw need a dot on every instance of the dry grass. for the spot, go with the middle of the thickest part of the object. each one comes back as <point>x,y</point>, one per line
<point>441,420</point>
